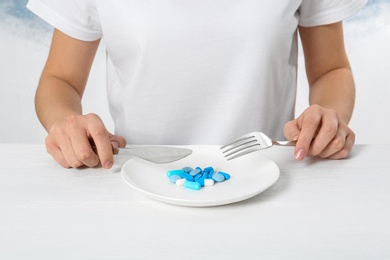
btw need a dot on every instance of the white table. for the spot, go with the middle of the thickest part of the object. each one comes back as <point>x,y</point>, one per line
<point>318,209</point>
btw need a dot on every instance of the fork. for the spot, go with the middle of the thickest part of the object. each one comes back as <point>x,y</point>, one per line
<point>249,143</point>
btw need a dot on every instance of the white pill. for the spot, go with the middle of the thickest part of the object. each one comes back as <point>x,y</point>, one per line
<point>180,182</point>
<point>208,182</point>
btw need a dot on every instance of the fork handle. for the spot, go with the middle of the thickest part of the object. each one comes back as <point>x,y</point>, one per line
<point>285,143</point>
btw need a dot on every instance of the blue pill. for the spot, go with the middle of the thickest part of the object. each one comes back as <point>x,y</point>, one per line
<point>226,175</point>
<point>218,177</point>
<point>200,181</point>
<point>209,169</point>
<point>187,169</point>
<point>174,172</point>
<point>197,177</point>
<point>192,185</point>
<point>194,172</point>
<point>210,173</point>
<point>188,176</point>
<point>174,178</point>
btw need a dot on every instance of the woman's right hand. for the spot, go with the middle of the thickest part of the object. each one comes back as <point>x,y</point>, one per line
<point>69,142</point>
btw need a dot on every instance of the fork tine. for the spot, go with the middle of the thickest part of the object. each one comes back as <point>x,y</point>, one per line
<point>245,144</point>
<point>243,151</point>
<point>238,145</point>
<point>238,141</point>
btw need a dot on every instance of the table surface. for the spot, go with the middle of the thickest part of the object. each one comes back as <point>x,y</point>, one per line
<point>317,209</point>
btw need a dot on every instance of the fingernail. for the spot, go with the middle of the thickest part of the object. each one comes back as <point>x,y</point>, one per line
<point>300,154</point>
<point>108,165</point>
<point>295,138</point>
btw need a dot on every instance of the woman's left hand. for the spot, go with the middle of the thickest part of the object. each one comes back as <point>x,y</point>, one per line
<point>319,132</point>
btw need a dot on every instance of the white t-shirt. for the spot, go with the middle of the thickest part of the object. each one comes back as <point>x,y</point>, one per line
<point>196,72</point>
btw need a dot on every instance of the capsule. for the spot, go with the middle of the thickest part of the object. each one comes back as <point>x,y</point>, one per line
<point>192,185</point>
<point>174,178</point>
<point>187,176</point>
<point>208,182</point>
<point>174,172</point>
<point>180,182</point>
<point>226,175</point>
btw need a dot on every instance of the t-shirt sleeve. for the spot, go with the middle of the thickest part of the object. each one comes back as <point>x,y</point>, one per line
<point>76,18</point>
<point>320,12</point>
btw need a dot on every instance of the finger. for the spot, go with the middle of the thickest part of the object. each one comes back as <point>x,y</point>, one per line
<point>327,132</point>
<point>309,126</point>
<point>340,148</point>
<point>98,132</point>
<point>116,142</point>
<point>61,149</point>
<point>120,140</point>
<point>115,145</point>
<point>68,153</point>
<point>334,146</point>
<point>56,152</point>
<point>83,149</point>
<point>344,153</point>
<point>79,142</point>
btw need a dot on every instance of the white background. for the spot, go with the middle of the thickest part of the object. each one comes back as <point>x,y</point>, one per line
<point>24,44</point>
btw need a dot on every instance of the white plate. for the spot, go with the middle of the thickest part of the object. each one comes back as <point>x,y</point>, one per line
<point>250,175</point>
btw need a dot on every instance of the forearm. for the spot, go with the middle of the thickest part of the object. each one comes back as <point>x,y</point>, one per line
<point>55,100</point>
<point>335,90</point>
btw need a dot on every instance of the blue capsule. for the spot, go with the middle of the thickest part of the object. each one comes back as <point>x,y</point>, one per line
<point>174,172</point>
<point>224,174</point>
<point>174,178</point>
<point>196,178</point>
<point>208,169</point>
<point>192,185</point>
<point>210,172</point>
<point>208,182</point>
<point>187,176</point>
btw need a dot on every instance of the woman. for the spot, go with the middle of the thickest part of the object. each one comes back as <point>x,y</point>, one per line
<point>196,72</point>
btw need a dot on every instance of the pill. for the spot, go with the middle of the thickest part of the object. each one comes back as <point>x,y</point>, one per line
<point>208,182</point>
<point>187,176</point>
<point>180,182</point>
<point>207,169</point>
<point>174,172</point>
<point>197,177</point>
<point>174,178</point>
<point>227,176</point>
<point>192,185</point>
<point>200,181</point>
<point>187,169</point>
<point>210,173</point>
<point>194,172</point>
<point>218,177</point>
